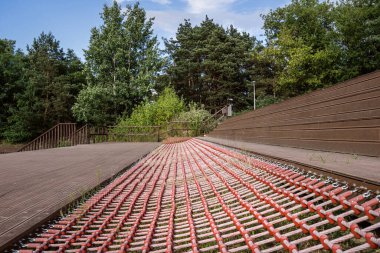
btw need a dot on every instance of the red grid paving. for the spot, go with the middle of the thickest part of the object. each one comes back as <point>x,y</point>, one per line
<point>195,196</point>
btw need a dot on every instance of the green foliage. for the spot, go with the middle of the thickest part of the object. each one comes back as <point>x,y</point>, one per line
<point>168,112</point>
<point>302,46</point>
<point>18,129</point>
<point>94,105</point>
<point>12,63</point>
<point>122,57</point>
<point>210,64</point>
<point>148,114</point>
<point>312,44</point>
<point>51,79</point>
<point>358,23</point>
<point>155,113</point>
<point>168,105</point>
<point>197,119</point>
<point>266,100</point>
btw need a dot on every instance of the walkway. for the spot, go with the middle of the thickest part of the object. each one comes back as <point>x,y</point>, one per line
<point>37,184</point>
<point>362,168</point>
<point>195,196</point>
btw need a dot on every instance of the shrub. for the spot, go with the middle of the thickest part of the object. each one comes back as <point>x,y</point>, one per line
<point>263,101</point>
<point>150,113</point>
<point>199,120</point>
<point>155,113</point>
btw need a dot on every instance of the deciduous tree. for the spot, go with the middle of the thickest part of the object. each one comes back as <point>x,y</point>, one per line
<point>123,57</point>
<point>302,44</point>
<point>358,23</point>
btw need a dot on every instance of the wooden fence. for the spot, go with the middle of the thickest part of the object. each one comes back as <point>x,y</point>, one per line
<point>67,134</point>
<point>124,134</point>
<point>343,118</point>
<point>156,133</point>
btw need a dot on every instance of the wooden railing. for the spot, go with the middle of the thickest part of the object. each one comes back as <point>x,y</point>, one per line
<point>124,134</point>
<point>181,129</point>
<point>80,136</point>
<point>57,136</point>
<point>67,134</point>
<point>155,133</point>
<point>218,116</point>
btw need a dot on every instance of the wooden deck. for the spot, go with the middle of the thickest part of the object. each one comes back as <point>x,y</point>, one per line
<point>35,185</point>
<point>363,170</point>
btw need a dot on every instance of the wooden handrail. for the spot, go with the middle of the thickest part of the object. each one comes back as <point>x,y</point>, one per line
<point>133,126</point>
<point>52,138</point>
<point>80,136</point>
<point>64,134</point>
<point>218,112</point>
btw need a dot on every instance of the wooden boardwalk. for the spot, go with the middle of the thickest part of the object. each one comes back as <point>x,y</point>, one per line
<point>195,196</point>
<point>364,170</point>
<point>35,185</point>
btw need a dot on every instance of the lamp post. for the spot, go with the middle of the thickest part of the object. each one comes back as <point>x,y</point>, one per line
<point>254,94</point>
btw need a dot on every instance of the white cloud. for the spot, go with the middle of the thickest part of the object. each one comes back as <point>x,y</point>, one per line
<point>154,1</point>
<point>166,22</point>
<point>161,1</point>
<point>202,6</point>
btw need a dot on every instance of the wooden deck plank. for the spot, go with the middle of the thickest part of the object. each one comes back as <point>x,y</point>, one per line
<point>36,184</point>
<point>365,169</point>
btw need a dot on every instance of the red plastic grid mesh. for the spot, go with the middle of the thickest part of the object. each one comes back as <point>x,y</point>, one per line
<point>195,196</point>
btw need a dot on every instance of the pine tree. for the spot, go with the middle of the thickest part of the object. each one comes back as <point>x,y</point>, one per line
<point>51,80</point>
<point>12,63</point>
<point>211,64</point>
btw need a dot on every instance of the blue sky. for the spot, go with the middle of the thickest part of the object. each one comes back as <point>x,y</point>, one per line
<point>71,20</point>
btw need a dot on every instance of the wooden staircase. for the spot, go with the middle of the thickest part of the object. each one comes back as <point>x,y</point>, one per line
<point>60,135</point>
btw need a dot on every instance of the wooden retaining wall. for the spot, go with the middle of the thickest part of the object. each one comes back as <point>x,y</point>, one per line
<point>343,118</point>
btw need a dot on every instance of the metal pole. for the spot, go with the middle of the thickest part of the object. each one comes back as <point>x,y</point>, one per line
<point>254,95</point>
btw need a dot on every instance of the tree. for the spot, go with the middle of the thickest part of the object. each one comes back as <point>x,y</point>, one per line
<point>302,45</point>
<point>51,80</point>
<point>122,57</point>
<point>11,71</point>
<point>210,64</point>
<point>358,23</point>
<point>94,104</point>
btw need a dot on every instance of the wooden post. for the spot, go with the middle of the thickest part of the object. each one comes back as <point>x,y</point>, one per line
<point>127,134</point>
<point>47,139</point>
<point>54,139</point>
<point>58,133</point>
<point>86,136</point>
